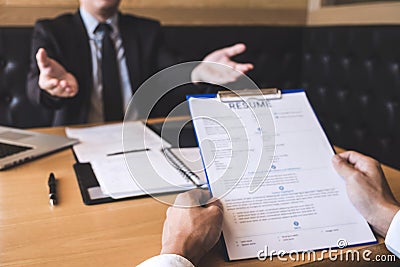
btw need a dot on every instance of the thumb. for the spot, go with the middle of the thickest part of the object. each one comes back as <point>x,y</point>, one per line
<point>234,50</point>
<point>214,203</point>
<point>343,167</point>
<point>192,198</point>
<point>42,59</point>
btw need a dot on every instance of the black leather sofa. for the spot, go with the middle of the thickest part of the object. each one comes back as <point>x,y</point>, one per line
<point>351,74</point>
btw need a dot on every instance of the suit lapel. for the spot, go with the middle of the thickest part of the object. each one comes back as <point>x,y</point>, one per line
<point>130,41</point>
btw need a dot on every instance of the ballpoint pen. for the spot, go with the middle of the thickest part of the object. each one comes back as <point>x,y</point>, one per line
<point>128,151</point>
<point>52,190</point>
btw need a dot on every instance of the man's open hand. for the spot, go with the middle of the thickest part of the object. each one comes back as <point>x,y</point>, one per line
<point>53,78</point>
<point>218,67</point>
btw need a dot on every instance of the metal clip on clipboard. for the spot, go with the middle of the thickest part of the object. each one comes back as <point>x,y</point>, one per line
<point>238,95</point>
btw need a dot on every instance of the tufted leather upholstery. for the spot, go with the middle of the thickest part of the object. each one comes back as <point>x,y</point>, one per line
<point>276,57</point>
<point>272,50</point>
<point>15,108</point>
<point>351,74</point>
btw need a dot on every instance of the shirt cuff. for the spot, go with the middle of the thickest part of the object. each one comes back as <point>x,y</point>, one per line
<point>392,240</point>
<point>167,260</point>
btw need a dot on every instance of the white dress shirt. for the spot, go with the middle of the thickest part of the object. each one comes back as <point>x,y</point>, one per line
<point>392,240</point>
<point>167,260</point>
<point>95,41</point>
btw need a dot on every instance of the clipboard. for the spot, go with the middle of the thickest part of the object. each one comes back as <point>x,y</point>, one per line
<point>237,95</point>
<point>240,244</point>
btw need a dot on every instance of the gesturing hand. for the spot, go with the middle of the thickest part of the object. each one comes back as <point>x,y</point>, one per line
<point>193,225</point>
<point>367,189</point>
<point>226,70</point>
<point>53,78</point>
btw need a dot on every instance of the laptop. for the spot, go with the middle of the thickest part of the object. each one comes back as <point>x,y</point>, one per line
<point>18,146</point>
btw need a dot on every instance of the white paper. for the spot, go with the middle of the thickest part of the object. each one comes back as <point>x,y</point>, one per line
<point>191,157</point>
<point>99,141</point>
<point>301,205</point>
<point>130,174</point>
<point>152,174</point>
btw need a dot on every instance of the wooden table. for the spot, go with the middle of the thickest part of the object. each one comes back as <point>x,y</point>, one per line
<point>71,234</point>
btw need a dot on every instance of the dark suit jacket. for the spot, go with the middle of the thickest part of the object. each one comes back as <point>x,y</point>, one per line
<point>65,40</point>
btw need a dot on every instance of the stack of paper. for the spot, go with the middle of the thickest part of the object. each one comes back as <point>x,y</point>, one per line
<point>128,159</point>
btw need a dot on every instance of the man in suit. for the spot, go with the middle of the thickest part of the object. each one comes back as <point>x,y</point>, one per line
<point>67,74</point>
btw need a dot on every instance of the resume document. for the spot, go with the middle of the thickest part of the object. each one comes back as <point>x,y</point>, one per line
<point>269,161</point>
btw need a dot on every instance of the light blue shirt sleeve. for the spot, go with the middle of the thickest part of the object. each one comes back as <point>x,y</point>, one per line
<point>166,260</point>
<point>392,240</point>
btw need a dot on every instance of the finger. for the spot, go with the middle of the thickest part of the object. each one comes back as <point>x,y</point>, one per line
<point>63,84</point>
<point>56,91</point>
<point>169,210</point>
<point>243,68</point>
<point>234,50</point>
<point>68,92</point>
<point>69,89</point>
<point>47,83</point>
<point>42,58</point>
<point>202,196</point>
<point>59,92</point>
<point>215,202</point>
<point>65,88</point>
<point>352,156</point>
<point>191,198</point>
<point>215,211</point>
<point>343,167</point>
<point>361,162</point>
